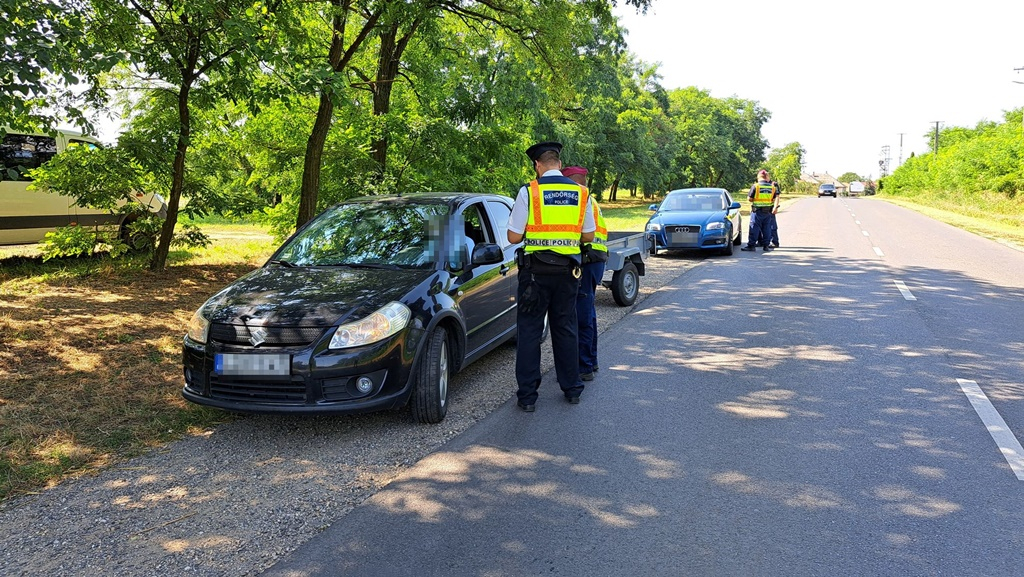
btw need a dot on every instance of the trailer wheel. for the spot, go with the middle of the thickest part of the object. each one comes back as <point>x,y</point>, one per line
<point>626,285</point>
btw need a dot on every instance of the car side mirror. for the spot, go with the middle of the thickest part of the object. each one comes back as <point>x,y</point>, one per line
<point>487,253</point>
<point>653,208</point>
<point>734,206</point>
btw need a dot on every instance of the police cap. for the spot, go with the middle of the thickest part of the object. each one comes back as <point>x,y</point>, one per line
<point>540,148</point>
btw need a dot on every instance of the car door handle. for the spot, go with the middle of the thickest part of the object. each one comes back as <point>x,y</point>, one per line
<point>504,269</point>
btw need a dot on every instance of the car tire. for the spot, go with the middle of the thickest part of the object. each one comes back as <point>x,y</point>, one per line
<point>626,285</point>
<point>727,251</point>
<point>654,246</point>
<point>430,394</point>
<point>136,241</point>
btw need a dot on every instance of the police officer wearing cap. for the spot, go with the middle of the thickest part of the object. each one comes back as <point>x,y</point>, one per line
<point>551,218</point>
<point>763,197</point>
<point>594,256</point>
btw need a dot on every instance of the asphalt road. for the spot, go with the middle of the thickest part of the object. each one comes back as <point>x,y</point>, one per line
<point>850,404</point>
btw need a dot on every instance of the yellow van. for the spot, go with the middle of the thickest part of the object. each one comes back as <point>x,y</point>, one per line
<point>27,215</point>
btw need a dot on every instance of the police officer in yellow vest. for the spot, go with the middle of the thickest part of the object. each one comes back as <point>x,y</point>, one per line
<point>594,256</point>
<point>763,197</point>
<point>551,219</point>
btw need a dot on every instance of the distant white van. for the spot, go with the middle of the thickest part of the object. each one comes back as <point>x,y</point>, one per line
<point>27,215</point>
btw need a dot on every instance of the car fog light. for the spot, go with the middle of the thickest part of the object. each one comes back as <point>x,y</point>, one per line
<point>364,385</point>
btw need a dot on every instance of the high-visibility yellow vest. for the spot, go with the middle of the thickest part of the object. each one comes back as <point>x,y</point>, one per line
<point>601,234</point>
<point>764,195</point>
<point>556,217</point>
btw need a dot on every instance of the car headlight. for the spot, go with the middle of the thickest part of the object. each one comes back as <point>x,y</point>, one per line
<point>653,227</point>
<point>198,327</point>
<point>715,225</point>
<point>383,323</point>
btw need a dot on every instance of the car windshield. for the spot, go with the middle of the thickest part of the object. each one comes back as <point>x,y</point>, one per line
<point>377,235</point>
<point>693,202</point>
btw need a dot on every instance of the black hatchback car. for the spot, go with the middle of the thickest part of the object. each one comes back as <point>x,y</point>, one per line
<point>372,305</point>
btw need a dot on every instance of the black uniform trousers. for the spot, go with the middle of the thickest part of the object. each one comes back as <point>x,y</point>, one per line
<point>556,298</point>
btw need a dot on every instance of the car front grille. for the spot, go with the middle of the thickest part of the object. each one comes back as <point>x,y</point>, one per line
<point>273,336</point>
<point>683,234</point>
<point>276,392</point>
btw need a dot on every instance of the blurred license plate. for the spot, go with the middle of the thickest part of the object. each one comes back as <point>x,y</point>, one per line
<point>683,237</point>
<point>271,365</point>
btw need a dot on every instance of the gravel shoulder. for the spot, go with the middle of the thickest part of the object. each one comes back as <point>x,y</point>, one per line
<point>234,499</point>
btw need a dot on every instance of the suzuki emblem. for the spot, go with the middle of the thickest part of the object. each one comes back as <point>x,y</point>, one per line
<point>257,336</point>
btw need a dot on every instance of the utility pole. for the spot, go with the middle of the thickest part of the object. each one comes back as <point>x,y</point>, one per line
<point>1022,118</point>
<point>883,164</point>
<point>935,141</point>
<point>901,150</point>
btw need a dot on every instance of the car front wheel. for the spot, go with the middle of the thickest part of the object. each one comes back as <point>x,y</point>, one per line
<point>430,395</point>
<point>727,251</point>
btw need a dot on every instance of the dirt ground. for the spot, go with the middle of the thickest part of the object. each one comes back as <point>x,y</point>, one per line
<point>91,366</point>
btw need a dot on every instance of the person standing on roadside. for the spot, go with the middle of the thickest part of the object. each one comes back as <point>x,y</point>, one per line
<point>763,197</point>
<point>551,218</point>
<point>774,240</point>
<point>594,255</point>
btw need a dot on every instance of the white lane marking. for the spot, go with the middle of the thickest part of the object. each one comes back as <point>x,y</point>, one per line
<point>904,290</point>
<point>878,251</point>
<point>1008,445</point>
<point>857,221</point>
<point>865,232</point>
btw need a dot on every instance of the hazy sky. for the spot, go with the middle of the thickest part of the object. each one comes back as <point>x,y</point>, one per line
<point>843,78</point>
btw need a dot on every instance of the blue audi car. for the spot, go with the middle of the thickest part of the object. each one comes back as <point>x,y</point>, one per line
<point>696,219</point>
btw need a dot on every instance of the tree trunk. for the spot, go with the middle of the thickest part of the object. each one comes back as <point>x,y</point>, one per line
<point>163,246</point>
<point>388,60</point>
<point>613,194</point>
<point>387,69</point>
<point>338,58</point>
<point>311,163</point>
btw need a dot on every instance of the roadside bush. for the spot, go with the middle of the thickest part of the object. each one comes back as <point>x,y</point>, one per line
<point>140,234</point>
<point>137,236</point>
<point>191,236</point>
<point>73,241</point>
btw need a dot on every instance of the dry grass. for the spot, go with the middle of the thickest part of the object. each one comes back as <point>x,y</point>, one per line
<point>90,359</point>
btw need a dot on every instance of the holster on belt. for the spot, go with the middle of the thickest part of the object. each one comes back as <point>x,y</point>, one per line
<point>546,262</point>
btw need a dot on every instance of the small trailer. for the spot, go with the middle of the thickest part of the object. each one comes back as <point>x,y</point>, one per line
<point>625,266</point>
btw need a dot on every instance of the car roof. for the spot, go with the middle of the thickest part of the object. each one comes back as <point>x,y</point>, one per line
<point>706,190</point>
<point>450,198</point>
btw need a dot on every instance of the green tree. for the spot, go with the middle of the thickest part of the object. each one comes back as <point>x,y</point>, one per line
<point>540,28</point>
<point>721,139</point>
<point>986,158</point>
<point>48,67</point>
<point>190,50</point>
<point>784,164</point>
